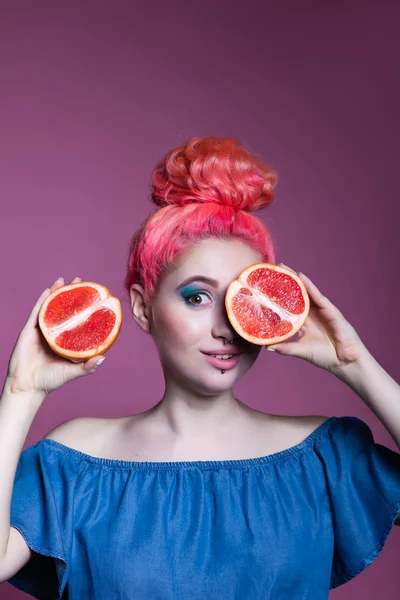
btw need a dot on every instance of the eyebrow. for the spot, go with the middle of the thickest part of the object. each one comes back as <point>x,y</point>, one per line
<point>208,280</point>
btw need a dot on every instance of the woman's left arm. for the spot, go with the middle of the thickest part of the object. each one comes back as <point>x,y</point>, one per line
<point>329,341</point>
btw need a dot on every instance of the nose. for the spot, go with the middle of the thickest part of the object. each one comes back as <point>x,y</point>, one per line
<point>223,329</point>
<point>228,339</point>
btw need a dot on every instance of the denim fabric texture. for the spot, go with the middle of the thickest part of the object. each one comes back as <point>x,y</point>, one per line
<point>290,525</point>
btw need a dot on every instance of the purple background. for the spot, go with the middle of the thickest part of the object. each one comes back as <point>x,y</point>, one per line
<point>94,93</point>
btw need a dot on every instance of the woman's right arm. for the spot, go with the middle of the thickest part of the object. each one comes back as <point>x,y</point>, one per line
<point>34,371</point>
<point>17,411</point>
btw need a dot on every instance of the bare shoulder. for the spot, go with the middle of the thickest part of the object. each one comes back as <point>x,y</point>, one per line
<point>310,422</point>
<point>85,434</point>
<point>73,429</point>
<point>285,431</point>
<point>300,423</point>
<point>298,428</point>
<point>304,424</point>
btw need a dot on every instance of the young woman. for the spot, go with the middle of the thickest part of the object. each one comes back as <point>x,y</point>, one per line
<point>200,496</point>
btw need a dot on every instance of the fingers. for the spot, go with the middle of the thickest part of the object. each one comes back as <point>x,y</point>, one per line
<point>60,283</point>
<point>330,311</point>
<point>318,298</point>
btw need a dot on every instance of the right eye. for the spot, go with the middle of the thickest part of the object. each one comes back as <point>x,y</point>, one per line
<point>196,295</point>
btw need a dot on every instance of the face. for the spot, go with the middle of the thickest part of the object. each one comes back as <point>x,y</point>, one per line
<point>188,317</point>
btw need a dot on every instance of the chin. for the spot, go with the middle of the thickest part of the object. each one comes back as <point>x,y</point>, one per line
<point>212,385</point>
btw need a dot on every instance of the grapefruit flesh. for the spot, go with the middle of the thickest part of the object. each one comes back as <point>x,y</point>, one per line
<point>80,320</point>
<point>267,303</point>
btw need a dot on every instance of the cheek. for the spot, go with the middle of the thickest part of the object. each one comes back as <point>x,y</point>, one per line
<point>179,329</point>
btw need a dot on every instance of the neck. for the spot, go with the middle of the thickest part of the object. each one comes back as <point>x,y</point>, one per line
<point>187,414</point>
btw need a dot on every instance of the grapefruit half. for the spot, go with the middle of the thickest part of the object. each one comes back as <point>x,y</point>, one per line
<point>80,320</point>
<point>267,303</point>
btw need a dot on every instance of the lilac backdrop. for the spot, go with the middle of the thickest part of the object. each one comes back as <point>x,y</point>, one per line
<point>93,93</point>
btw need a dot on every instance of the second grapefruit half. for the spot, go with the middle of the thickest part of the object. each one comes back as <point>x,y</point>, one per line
<point>267,303</point>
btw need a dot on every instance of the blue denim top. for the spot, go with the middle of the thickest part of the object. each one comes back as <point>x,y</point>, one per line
<point>293,524</point>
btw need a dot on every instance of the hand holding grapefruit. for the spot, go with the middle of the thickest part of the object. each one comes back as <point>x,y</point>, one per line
<point>267,303</point>
<point>34,368</point>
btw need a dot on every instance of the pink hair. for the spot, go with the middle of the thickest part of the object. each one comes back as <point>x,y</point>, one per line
<point>204,189</point>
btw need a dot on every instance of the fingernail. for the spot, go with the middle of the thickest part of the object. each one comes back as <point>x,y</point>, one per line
<point>271,349</point>
<point>101,360</point>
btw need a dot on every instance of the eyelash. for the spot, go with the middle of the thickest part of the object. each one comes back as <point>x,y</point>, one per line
<point>195,294</point>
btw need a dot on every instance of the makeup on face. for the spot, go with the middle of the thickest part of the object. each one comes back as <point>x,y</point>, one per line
<point>193,290</point>
<point>189,288</point>
<point>194,278</point>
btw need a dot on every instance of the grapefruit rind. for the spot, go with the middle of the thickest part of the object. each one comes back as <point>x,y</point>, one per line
<point>104,299</point>
<point>295,321</point>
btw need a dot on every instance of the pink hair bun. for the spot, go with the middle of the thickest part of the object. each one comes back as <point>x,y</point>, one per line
<point>213,169</point>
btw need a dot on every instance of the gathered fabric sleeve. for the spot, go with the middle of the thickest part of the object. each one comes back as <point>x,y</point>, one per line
<point>363,480</point>
<point>42,511</point>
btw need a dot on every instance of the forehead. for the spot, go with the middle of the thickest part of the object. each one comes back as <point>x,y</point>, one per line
<point>216,258</point>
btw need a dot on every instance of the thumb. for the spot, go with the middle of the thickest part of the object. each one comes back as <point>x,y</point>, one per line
<point>94,363</point>
<point>291,349</point>
<point>87,366</point>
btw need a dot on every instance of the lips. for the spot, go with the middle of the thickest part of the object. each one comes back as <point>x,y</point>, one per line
<point>226,350</point>
<point>223,363</point>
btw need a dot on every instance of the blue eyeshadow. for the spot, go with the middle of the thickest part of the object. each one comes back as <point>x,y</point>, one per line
<point>188,291</point>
